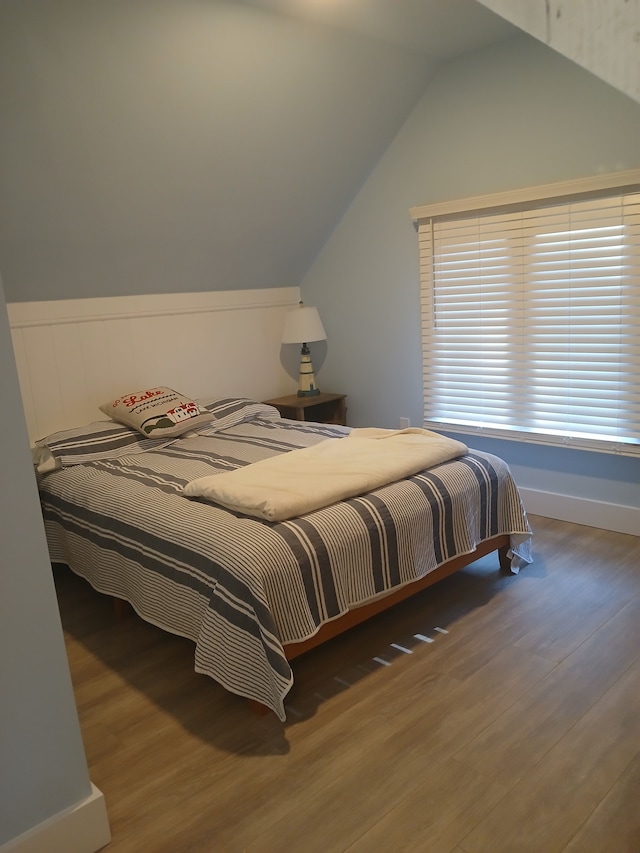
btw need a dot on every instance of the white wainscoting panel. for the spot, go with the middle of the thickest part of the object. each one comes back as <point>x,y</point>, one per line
<point>72,355</point>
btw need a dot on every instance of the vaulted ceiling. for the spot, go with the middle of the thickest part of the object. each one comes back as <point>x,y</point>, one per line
<point>441,29</point>
<point>206,144</point>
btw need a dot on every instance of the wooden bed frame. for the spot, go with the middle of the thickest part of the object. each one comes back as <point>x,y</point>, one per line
<point>354,617</point>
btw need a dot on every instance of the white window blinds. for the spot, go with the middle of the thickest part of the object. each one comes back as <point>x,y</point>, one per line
<point>531,321</point>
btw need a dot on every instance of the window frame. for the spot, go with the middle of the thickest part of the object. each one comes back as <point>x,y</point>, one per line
<point>566,192</point>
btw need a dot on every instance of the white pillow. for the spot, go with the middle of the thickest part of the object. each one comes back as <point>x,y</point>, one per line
<point>157,412</point>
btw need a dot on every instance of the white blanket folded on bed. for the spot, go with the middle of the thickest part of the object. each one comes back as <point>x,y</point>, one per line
<point>309,478</point>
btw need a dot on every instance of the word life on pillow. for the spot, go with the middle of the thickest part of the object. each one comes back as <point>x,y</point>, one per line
<point>157,412</point>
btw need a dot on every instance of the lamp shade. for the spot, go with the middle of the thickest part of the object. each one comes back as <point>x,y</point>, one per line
<point>302,325</point>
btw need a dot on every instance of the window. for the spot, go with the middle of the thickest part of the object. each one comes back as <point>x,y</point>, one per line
<point>531,314</point>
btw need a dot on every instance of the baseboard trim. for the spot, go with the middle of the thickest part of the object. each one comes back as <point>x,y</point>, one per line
<point>607,516</point>
<point>83,828</point>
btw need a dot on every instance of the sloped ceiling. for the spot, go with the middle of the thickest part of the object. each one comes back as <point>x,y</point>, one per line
<point>442,29</point>
<point>603,36</point>
<point>214,144</point>
<point>184,146</point>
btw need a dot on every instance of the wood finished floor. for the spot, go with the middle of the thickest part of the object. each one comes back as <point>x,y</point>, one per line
<point>516,729</point>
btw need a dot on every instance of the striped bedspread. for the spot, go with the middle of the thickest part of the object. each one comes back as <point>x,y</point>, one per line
<point>240,587</point>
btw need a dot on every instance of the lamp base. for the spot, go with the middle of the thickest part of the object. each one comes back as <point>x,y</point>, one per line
<point>307,379</point>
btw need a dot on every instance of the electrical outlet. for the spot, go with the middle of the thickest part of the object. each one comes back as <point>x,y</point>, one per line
<point>405,423</point>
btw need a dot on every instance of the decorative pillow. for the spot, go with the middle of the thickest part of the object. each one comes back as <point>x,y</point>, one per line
<point>157,412</point>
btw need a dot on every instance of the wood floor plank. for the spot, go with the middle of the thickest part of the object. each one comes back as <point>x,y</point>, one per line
<point>549,805</point>
<point>394,755</point>
<point>510,747</point>
<point>435,815</point>
<point>614,826</point>
<point>567,601</point>
<point>597,597</point>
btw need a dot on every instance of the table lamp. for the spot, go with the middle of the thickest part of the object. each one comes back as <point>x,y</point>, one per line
<point>301,326</point>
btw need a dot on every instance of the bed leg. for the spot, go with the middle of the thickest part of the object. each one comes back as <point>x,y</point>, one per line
<point>505,562</point>
<point>121,609</point>
<point>258,708</point>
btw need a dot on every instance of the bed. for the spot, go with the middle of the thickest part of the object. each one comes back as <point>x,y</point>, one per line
<point>253,594</point>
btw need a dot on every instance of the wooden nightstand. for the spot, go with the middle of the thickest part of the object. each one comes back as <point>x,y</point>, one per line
<point>321,408</point>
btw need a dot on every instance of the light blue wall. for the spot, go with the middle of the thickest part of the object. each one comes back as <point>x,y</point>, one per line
<point>43,769</point>
<point>514,115</point>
